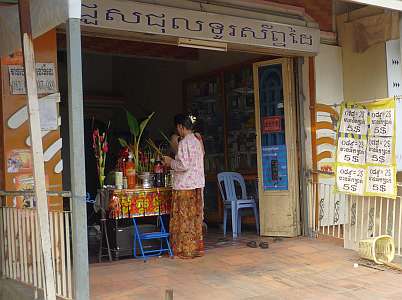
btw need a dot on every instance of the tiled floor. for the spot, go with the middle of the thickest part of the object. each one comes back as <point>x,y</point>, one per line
<point>290,269</point>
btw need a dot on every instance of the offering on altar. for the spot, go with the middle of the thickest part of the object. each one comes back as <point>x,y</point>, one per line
<point>142,161</point>
<point>139,203</point>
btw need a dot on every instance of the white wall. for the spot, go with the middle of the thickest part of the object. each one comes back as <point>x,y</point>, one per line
<point>329,75</point>
<point>365,73</point>
<point>394,78</point>
<point>330,92</point>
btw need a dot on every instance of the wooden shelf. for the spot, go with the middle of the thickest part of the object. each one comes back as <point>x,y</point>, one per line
<point>226,87</point>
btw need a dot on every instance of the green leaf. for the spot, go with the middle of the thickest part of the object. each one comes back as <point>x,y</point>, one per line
<point>132,124</point>
<point>145,122</point>
<point>123,143</point>
<point>138,140</point>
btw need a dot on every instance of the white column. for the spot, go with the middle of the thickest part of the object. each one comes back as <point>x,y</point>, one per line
<point>77,161</point>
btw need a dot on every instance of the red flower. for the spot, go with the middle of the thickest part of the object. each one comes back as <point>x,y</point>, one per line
<point>105,148</point>
<point>95,134</point>
<point>124,153</point>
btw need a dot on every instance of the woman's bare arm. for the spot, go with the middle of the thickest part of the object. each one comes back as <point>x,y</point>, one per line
<point>199,137</point>
<point>174,143</point>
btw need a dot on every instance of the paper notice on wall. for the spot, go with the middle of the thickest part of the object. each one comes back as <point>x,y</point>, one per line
<point>379,150</point>
<point>398,134</point>
<point>351,150</point>
<point>47,110</point>
<point>19,161</point>
<point>45,79</point>
<point>380,179</point>
<point>382,122</point>
<point>354,121</point>
<point>26,182</point>
<point>350,179</point>
<point>366,164</point>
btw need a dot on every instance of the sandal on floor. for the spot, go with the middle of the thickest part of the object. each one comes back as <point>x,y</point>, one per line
<point>252,244</point>
<point>264,245</point>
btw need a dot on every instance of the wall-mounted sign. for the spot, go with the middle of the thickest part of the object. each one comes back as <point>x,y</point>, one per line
<point>354,121</point>
<point>19,161</point>
<point>272,124</point>
<point>351,180</point>
<point>157,19</point>
<point>351,150</point>
<point>366,163</point>
<point>26,182</point>
<point>45,79</point>
<point>47,110</point>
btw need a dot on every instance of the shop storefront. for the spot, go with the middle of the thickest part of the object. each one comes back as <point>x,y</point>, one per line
<point>235,74</point>
<point>264,89</point>
<point>237,77</point>
<point>239,69</point>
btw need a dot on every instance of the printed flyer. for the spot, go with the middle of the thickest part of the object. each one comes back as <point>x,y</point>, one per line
<point>365,160</point>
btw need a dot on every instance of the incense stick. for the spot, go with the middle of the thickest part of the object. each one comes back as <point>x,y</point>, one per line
<point>152,144</point>
<point>166,138</point>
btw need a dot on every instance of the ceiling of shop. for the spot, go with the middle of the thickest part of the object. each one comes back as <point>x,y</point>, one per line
<point>131,48</point>
<point>342,7</point>
<point>390,4</point>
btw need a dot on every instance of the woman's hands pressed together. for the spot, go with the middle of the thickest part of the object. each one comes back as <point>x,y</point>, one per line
<point>167,161</point>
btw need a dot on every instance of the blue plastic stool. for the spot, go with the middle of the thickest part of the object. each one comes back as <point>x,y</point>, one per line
<point>163,235</point>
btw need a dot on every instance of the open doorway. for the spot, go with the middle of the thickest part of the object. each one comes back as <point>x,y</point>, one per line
<point>217,87</point>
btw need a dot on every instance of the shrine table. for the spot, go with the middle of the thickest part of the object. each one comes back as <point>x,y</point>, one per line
<point>127,204</point>
<point>139,202</point>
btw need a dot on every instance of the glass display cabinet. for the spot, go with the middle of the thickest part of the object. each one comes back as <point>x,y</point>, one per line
<point>223,102</point>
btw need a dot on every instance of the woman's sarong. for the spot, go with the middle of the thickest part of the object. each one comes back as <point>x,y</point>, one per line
<point>186,223</point>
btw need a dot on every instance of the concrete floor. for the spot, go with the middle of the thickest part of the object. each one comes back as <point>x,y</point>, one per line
<point>290,269</point>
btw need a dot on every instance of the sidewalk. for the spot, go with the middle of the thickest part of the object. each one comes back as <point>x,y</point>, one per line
<point>289,269</point>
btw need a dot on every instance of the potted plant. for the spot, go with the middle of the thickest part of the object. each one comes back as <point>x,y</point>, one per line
<point>133,144</point>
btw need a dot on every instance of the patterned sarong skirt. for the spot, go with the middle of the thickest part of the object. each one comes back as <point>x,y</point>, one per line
<point>186,223</point>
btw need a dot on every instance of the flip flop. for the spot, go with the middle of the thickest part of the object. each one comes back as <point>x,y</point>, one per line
<point>264,245</point>
<point>252,244</point>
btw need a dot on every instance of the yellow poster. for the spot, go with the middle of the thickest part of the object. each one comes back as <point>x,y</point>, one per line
<point>365,156</point>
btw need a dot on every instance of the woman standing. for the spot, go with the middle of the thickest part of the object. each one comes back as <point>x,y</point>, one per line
<point>174,146</point>
<point>188,182</point>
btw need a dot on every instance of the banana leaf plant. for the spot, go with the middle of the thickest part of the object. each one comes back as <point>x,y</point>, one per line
<point>136,130</point>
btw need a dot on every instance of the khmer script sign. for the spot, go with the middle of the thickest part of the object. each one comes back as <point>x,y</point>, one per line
<point>365,164</point>
<point>45,79</point>
<point>156,19</point>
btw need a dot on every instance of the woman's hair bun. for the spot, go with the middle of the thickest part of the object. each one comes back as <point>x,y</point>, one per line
<point>186,120</point>
<point>192,118</point>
